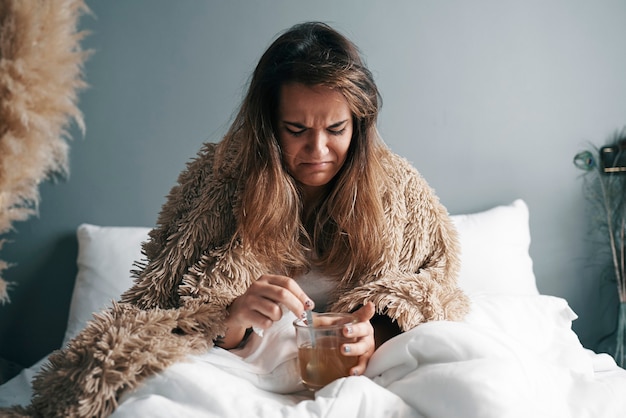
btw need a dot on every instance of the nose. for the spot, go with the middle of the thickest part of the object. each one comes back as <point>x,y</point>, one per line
<point>318,143</point>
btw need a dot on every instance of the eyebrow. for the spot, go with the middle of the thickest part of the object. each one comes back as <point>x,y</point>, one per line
<point>301,126</point>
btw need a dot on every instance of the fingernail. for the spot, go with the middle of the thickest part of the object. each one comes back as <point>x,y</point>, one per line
<point>349,330</point>
<point>308,304</point>
<point>346,349</point>
<point>355,372</point>
<point>303,315</point>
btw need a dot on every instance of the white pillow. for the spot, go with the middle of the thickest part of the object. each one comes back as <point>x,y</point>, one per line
<point>105,259</point>
<point>494,251</point>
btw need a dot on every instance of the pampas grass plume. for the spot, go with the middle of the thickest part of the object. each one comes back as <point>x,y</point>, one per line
<point>41,73</point>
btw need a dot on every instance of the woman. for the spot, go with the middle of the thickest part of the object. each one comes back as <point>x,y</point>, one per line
<point>300,205</point>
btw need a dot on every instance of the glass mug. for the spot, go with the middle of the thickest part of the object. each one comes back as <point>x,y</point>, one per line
<point>320,359</point>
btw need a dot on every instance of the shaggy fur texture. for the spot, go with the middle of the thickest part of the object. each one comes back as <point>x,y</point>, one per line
<point>40,76</point>
<point>180,298</point>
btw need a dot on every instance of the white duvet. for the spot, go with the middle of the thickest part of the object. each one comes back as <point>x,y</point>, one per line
<point>514,356</point>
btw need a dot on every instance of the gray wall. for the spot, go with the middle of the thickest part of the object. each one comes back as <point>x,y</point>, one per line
<point>489,99</point>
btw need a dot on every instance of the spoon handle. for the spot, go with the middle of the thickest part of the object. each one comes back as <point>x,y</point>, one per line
<point>309,321</point>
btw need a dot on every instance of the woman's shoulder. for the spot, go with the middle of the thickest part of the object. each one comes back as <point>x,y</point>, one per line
<point>212,161</point>
<point>207,154</point>
<point>399,169</point>
<point>406,184</point>
<point>204,174</point>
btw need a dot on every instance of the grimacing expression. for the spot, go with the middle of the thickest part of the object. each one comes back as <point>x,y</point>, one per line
<point>314,131</point>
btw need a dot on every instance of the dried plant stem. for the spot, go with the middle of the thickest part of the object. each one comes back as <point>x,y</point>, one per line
<point>622,282</point>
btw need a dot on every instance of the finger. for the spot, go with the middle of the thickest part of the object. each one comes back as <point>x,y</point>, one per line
<point>254,310</point>
<point>360,367</point>
<point>362,327</point>
<point>365,312</point>
<point>289,293</point>
<point>278,289</point>
<point>358,330</point>
<point>267,308</point>
<point>258,320</point>
<point>358,348</point>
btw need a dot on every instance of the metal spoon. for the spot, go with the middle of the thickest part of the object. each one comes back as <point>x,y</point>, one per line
<point>309,322</point>
<point>312,366</point>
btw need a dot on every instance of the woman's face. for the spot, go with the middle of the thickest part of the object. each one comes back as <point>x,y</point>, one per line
<point>314,130</point>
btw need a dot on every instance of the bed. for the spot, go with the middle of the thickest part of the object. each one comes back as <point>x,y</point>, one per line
<point>515,355</point>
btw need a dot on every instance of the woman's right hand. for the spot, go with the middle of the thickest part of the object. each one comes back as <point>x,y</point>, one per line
<point>260,306</point>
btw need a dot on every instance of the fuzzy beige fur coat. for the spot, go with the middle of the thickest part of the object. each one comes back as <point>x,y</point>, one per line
<point>179,301</point>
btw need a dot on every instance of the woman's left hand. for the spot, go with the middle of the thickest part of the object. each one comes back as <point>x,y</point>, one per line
<point>364,333</point>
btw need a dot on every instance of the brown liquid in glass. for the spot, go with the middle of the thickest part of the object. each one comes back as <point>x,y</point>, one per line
<point>325,363</point>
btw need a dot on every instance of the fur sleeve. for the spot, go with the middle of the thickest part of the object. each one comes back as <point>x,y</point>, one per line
<point>419,281</point>
<point>196,218</point>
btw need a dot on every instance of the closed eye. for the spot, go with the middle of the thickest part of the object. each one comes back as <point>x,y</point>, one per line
<point>296,129</point>
<point>294,132</point>
<point>338,128</point>
<point>337,132</point>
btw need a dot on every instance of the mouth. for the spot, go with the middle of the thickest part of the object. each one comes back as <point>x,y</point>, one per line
<point>315,167</point>
<point>315,163</point>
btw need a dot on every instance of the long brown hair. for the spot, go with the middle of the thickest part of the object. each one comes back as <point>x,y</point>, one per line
<point>345,229</point>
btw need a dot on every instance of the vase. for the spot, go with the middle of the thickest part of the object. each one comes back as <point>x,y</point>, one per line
<point>620,336</point>
<point>615,343</point>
